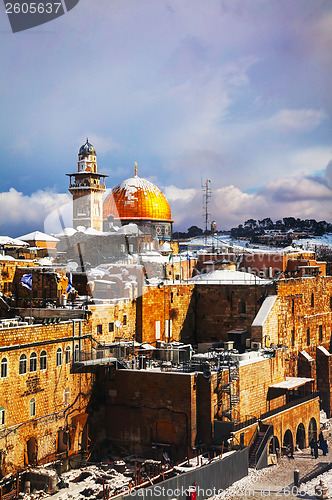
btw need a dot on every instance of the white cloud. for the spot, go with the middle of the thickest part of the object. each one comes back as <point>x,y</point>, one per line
<point>174,193</point>
<point>291,189</point>
<point>20,212</point>
<point>309,159</point>
<point>287,120</point>
<point>286,196</point>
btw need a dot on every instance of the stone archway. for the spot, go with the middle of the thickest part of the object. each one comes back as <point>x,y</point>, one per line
<point>300,437</point>
<point>312,430</point>
<point>288,440</point>
<point>32,450</point>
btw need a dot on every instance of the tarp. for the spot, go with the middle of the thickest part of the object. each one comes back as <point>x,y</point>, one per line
<point>291,383</point>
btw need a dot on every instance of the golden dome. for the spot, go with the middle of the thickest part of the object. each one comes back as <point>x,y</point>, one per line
<point>137,199</point>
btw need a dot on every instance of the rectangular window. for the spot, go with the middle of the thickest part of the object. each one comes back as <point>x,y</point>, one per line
<point>320,333</point>
<point>99,329</point>
<point>293,337</point>
<point>111,327</point>
<point>2,415</point>
<point>124,321</point>
<point>166,328</point>
<point>66,396</point>
<point>157,330</point>
<point>32,408</point>
<point>308,336</point>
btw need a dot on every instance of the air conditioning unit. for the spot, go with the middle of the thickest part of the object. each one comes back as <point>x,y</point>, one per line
<point>256,345</point>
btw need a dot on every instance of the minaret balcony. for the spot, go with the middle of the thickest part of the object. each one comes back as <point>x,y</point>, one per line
<point>86,184</point>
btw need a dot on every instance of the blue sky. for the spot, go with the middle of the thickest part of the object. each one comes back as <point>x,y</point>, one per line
<point>237,92</point>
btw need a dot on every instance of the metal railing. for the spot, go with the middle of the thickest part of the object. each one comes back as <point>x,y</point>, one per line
<point>289,405</point>
<point>263,444</point>
<point>246,423</point>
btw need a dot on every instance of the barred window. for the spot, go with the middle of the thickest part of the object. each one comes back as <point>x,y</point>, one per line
<point>67,355</point>
<point>43,360</point>
<point>33,362</point>
<point>23,364</point>
<point>59,357</point>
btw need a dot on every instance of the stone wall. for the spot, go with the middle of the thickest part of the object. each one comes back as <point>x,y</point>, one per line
<point>254,381</point>
<point>44,397</point>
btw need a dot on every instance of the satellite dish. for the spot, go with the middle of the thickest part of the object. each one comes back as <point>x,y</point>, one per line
<point>118,324</point>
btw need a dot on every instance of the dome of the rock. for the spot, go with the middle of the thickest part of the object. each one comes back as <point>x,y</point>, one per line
<point>139,200</point>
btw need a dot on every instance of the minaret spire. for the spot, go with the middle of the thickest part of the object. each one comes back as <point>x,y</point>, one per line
<point>135,168</point>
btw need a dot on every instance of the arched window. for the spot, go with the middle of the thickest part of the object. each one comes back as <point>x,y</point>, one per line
<point>67,355</point>
<point>2,415</point>
<point>4,366</point>
<point>59,357</point>
<point>32,407</point>
<point>312,300</point>
<point>23,364</point>
<point>77,353</point>
<point>33,362</point>
<point>43,360</point>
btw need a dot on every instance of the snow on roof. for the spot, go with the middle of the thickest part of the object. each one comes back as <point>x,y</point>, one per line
<point>147,346</point>
<point>6,257</point>
<point>130,229</point>
<point>46,261</point>
<point>264,310</point>
<point>67,231</point>
<point>165,247</point>
<point>228,277</point>
<point>323,350</point>
<point>38,236</point>
<point>92,230</point>
<point>306,356</point>
<point>7,240</point>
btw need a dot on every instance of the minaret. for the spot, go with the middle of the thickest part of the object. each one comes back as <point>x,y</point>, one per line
<point>87,188</point>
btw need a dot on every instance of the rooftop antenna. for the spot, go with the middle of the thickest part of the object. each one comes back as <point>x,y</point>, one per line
<point>206,197</point>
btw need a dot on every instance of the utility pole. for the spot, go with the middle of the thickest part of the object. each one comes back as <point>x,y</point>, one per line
<point>206,197</point>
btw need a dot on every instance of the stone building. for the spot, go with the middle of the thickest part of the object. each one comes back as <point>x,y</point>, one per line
<point>87,187</point>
